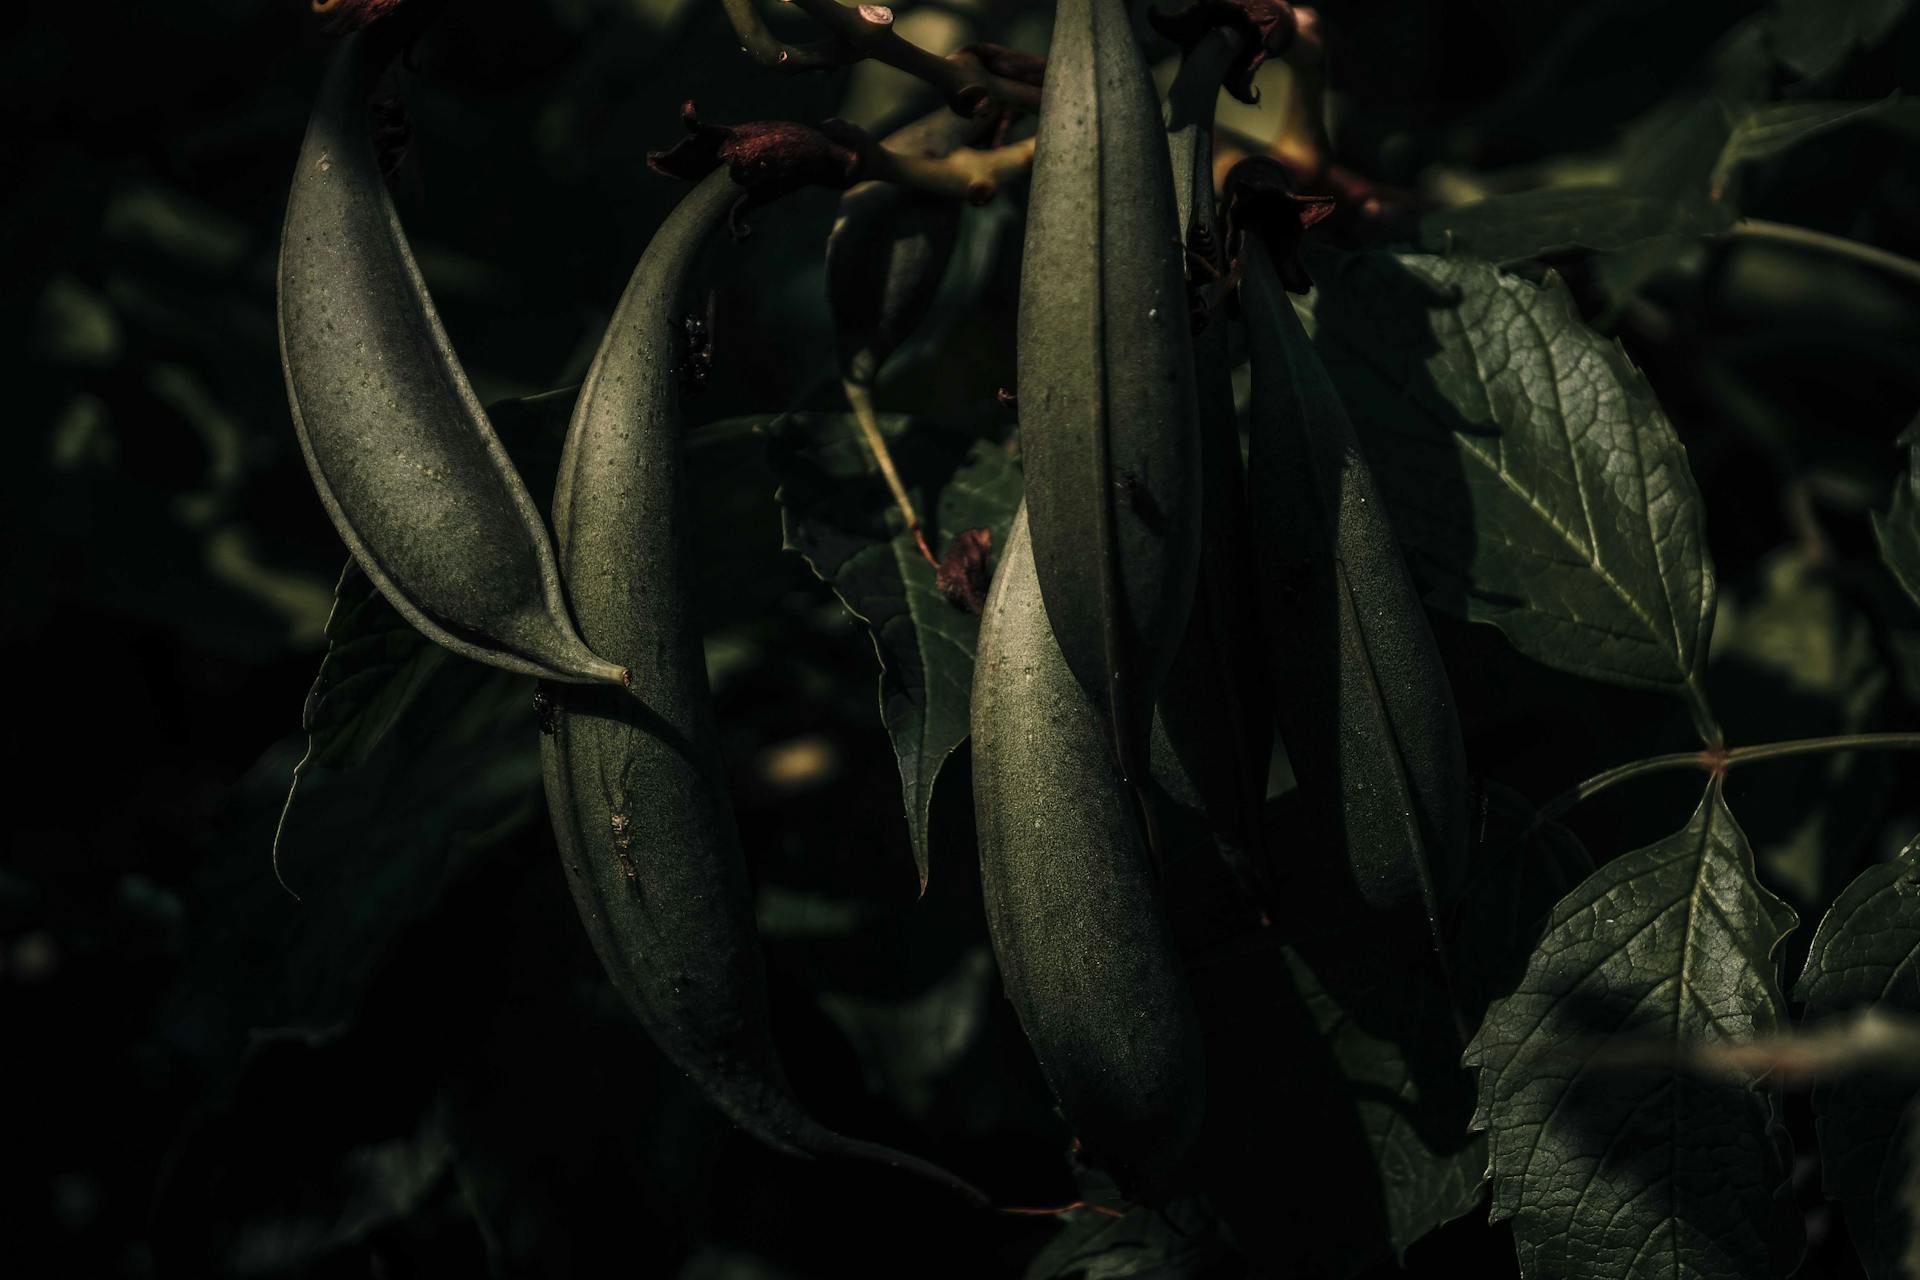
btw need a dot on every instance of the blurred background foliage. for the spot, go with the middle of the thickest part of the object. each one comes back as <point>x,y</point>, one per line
<point>416,1067</point>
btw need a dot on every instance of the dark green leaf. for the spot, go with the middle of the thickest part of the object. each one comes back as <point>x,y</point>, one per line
<point>1342,1004</point>
<point>1619,1171</point>
<point>1794,656</point>
<point>1899,529</point>
<point>1180,1242</point>
<point>1815,36</point>
<point>1534,224</point>
<point>1779,127</point>
<point>376,665</point>
<point>1866,955</point>
<point>1532,476</point>
<point>840,516</point>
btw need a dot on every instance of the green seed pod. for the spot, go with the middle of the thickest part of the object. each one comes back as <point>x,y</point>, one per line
<point>401,452</point>
<point>1106,374</point>
<point>1073,901</point>
<point>1363,701</point>
<point>634,781</point>
<point>888,250</point>
<point>1214,709</point>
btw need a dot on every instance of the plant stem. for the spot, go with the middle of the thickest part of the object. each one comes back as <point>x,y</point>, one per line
<point>1892,264</point>
<point>1719,761</point>
<point>859,32</point>
<point>862,401</point>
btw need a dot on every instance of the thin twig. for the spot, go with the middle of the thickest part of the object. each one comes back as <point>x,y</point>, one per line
<point>1719,761</point>
<point>1866,255</point>
<point>866,31</point>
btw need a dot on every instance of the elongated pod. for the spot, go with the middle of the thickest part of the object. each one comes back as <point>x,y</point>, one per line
<point>634,781</point>
<point>1214,706</point>
<point>401,452</point>
<point>1072,898</point>
<point>1106,374</point>
<point>1363,701</point>
<point>888,251</point>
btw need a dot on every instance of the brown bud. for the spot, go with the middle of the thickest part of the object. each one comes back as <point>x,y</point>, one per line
<point>1266,27</point>
<point>768,158</point>
<point>1260,199</point>
<point>345,16</point>
<point>963,575</point>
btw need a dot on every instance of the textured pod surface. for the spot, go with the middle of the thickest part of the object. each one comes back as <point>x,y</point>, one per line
<point>1072,899</point>
<point>634,782</point>
<point>1363,701</point>
<point>404,459</point>
<point>1106,373</point>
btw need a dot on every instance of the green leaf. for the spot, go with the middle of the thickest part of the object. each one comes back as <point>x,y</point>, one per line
<point>1814,37</point>
<point>1179,1242</point>
<point>1535,224</point>
<point>1866,955</point>
<point>375,667</point>
<point>1532,477</point>
<point>840,517</point>
<point>1778,127</point>
<point>1613,1170</point>
<point>1794,656</point>
<point>1342,1004</point>
<point>1898,531</point>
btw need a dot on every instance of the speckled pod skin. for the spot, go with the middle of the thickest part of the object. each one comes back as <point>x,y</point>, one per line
<point>634,782</point>
<point>401,452</point>
<point>1073,901</point>
<point>1106,374</point>
<point>1362,698</point>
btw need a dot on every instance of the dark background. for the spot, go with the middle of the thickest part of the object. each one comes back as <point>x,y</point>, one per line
<point>417,1068</point>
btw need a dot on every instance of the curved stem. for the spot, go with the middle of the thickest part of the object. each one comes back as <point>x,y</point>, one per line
<point>866,31</point>
<point>1719,761</point>
<point>1866,255</point>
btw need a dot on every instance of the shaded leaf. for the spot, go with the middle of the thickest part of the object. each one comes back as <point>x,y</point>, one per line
<point>1535,224</point>
<point>1625,1173</point>
<point>1778,127</point>
<point>1866,955</point>
<point>1342,1004</point>
<point>840,516</point>
<point>1898,530</point>
<point>1815,36</point>
<point>376,664</point>
<point>1180,1242</point>
<point>1533,478</point>
<point>1794,656</point>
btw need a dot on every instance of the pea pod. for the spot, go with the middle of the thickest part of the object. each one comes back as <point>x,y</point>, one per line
<point>1214,708</point>
<point>1364,705</point>
<point>1072,898</point>
<point>1106,374</point>
<point>634,781</point>
<point>888,250</point>
<point>404,459</point>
